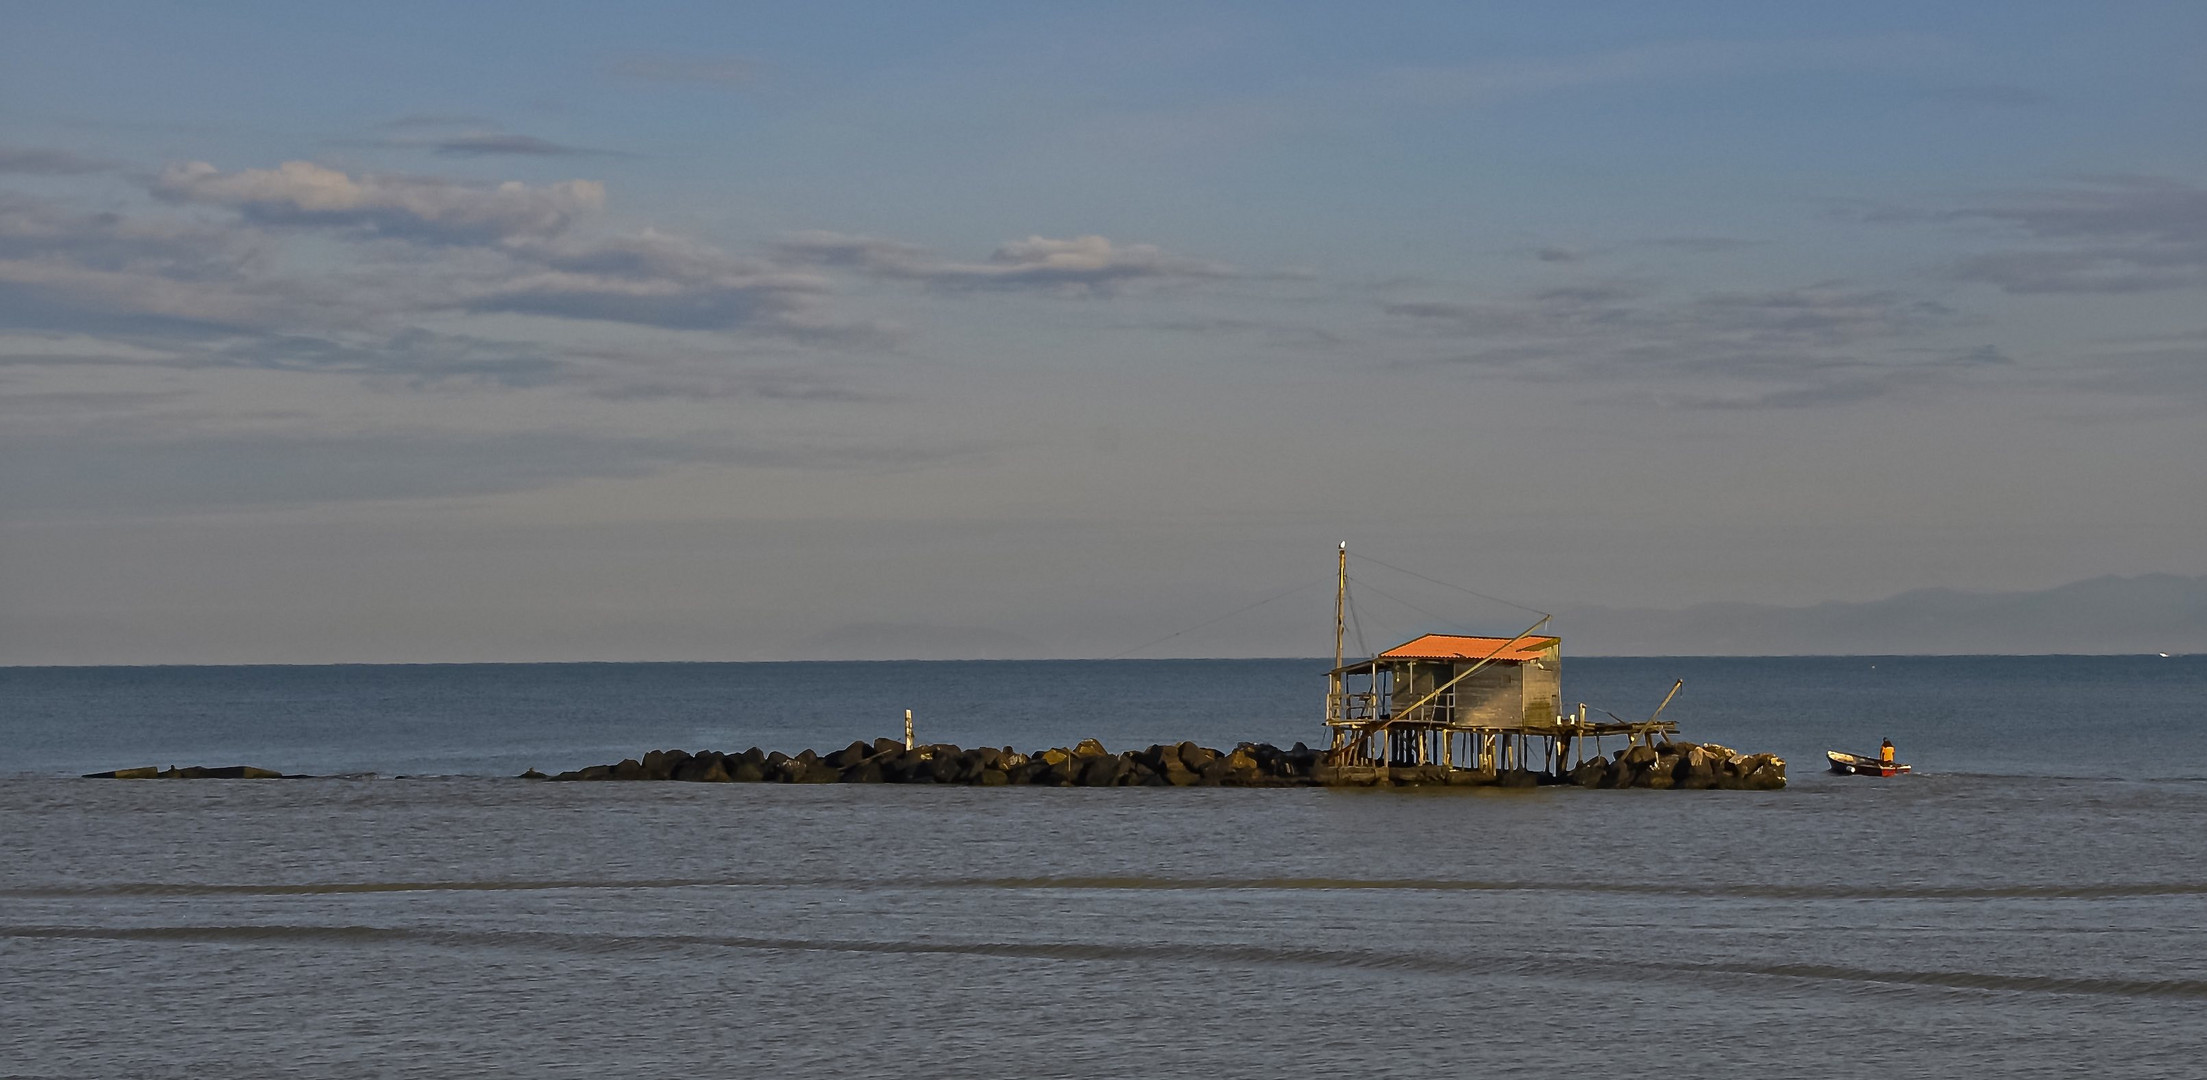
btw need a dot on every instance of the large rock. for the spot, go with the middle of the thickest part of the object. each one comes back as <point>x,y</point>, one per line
<point>1769,773</point>
<point>701,768</point>
<point>907,767</point>
<point>1099,771</point>
<point>953,769</point>
<point>1090,748</point>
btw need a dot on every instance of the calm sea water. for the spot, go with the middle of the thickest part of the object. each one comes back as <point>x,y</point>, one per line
<point>2033,902</point>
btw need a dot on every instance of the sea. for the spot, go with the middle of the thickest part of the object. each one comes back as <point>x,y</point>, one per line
<point>2031,901</point>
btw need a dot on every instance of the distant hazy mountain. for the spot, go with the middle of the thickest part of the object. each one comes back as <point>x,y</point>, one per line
<point>2151,613</point>
<point>916,641</point>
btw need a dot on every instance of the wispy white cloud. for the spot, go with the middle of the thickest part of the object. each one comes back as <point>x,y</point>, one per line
<point>38,161</point>
<point>503,143</point>
<point>433,120</point>
<point>1076,266</point>
<point>187,467</point>
<point>301,193</point>
<point>656,279</point>
<point>455,135</point>
<point>2117,235</point>
<point>1824,344</point>
<point>61,268</point>
<point>207,291</point>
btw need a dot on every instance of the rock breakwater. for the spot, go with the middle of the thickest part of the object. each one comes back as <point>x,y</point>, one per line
<point>1682,765</point>
<point>887,761</point>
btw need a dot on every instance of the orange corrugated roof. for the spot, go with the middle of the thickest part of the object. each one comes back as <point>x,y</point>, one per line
<point>1466,647</point>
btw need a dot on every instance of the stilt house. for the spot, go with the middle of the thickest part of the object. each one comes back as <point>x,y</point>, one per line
<point>1452,705</point>
<point>1448,699</point>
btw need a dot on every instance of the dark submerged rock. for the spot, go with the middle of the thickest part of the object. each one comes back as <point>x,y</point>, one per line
<point>190,772</point>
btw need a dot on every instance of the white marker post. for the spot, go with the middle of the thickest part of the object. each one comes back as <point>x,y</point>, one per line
<point>907,729</point>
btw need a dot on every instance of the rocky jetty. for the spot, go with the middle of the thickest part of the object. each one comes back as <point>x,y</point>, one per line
<point>1088,764</point>
<point>193,772</point>
<point>1682,765</point>
<point>886,761</point>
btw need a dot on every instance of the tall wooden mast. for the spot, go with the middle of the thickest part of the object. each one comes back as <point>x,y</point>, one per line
<point>1337,704</point>
<point>1340,603</point>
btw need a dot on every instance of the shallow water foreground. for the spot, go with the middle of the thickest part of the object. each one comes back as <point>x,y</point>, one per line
<point>1956,925</point>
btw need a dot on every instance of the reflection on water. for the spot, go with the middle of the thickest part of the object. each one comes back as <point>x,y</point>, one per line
<point>2002,912</point>
<point>1959,925</point>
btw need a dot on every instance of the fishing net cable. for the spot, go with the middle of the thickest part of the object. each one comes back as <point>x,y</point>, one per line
<point>1443,619</point>
<point>1446,585</point>
<point>1222,618</point>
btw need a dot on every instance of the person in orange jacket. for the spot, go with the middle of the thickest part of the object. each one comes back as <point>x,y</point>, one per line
<point>1885,753</point>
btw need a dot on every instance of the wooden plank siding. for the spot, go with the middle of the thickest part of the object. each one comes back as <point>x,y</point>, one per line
<point>1499,695</point>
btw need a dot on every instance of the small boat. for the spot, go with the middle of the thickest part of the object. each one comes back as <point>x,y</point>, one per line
<point>1860,765</point>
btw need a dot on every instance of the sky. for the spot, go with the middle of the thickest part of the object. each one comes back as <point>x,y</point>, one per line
<point>468,332</point>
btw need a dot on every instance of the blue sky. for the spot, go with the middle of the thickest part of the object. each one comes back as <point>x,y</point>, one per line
<point>501,331</point>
